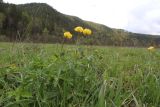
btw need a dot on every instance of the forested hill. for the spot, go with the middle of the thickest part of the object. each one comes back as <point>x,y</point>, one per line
<point>39,22</point>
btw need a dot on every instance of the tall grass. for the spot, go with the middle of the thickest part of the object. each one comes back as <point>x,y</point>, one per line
<point>38,75</point>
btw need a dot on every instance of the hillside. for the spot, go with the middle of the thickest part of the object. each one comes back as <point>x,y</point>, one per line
<point>39,22</point>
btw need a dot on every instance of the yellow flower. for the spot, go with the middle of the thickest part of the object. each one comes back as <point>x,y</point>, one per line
<point>78,29</point>
<point>151,48</point>
<point>68,35</point>
<point>87,32</point>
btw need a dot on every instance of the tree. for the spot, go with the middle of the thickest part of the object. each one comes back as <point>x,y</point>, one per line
<point>134,41</point>
<point>36,26</point>
<point>10,24</point>
<point>2,17</point>
<point>1,1</point>
<point>45,31</point>
<point>45,34</point>
<point>23,25</point>
<point>119,37</point>
<point>2,6</point>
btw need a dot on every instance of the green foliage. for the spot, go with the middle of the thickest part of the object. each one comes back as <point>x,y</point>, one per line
<point>2,17</point>
<point>120,37</point>
<point>45,31</point>
<point>1,1</point>
<point>10,23</point>
<point>38,75</point>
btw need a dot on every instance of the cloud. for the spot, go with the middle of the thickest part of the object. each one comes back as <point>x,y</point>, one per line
<point>145,18</point>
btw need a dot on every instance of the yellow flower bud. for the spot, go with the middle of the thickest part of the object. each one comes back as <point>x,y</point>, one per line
<point>87,32</point>
<point>151,48</point>
<point>68,35</point>
<point>78,29</point>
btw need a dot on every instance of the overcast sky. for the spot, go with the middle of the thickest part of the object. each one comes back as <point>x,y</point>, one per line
<point>142,16</point>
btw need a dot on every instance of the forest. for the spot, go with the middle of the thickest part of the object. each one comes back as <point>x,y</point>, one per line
<point>39,22</point>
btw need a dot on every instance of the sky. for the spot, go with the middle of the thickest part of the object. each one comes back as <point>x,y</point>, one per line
<point>140,16</point>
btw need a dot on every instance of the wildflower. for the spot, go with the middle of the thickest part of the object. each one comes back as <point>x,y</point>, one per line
<point>68,35</point>
<point>151,48</point>
<point>87,32</point>
<point>78,29</point>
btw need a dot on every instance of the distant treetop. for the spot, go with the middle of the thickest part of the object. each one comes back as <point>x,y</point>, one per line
<point>1,1</point>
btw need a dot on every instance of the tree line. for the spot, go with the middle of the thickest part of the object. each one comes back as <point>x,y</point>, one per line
<point>39,22</point>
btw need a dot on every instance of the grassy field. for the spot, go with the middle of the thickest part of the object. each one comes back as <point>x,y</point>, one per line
<point>47,75</point>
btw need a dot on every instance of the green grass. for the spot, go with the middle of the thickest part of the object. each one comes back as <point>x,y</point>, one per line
<point>47,75</point>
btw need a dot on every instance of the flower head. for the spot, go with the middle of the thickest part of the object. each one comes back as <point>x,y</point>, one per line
<point>78,29</point>
<point>151,48</point>
<point>87,32</point>
<point>68,35</point>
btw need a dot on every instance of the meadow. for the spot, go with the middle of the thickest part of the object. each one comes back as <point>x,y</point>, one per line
<point>55,75</point>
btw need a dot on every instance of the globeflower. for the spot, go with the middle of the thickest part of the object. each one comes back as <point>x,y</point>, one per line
<point>87,32</point>
<point>151,48</point>
<point>78,29</point>
<point>68,35</point>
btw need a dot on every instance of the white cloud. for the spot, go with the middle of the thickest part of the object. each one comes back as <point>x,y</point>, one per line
<point>134,15</point>
<point>145,18</point>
